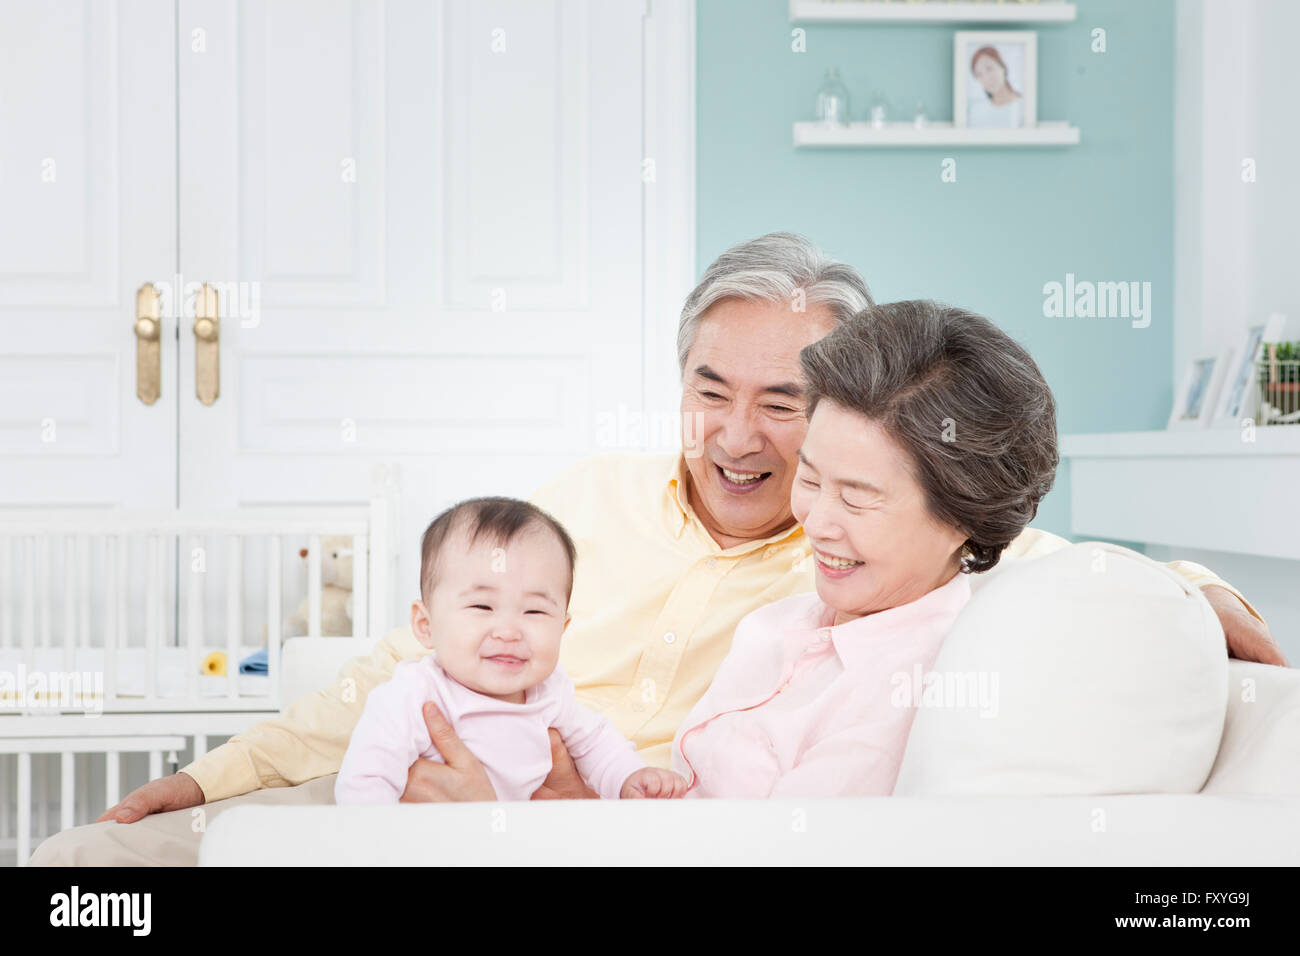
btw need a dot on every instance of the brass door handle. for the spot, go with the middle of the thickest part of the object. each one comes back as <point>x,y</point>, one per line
<point>148,333</point>
<point>207,346</point>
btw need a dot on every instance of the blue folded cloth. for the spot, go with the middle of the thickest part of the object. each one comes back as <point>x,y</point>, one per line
<point>254,663</point>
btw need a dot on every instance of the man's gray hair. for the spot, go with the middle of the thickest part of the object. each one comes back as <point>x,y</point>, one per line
<point>772,268</point>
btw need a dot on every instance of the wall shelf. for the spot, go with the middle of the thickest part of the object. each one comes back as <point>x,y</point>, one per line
<point>820,11</point>
<point>1197,489</point>
<point>1183,443</point>
<point>859,135</point>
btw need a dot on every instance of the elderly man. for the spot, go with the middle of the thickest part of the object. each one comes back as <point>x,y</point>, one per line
<point>672,552</point>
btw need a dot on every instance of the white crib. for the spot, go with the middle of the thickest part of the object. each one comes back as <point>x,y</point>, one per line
<point>112,627</point>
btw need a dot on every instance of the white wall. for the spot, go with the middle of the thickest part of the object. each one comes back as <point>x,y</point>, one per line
<point>1236,251</point>
<point>1273,203</point>
<point>1235,245</point>
<point>1212,133</point>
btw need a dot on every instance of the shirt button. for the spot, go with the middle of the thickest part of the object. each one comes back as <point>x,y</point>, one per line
<point>669,637</point>
<point>713,562</point>
<point>826,634</point>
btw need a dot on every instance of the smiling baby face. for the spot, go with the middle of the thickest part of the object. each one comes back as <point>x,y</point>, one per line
<point>496,610</point>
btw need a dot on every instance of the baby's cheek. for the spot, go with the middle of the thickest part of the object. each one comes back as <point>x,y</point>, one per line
<point>549,651</point>
<point>552,656</point>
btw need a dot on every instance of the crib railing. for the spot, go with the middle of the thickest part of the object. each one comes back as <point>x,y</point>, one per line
<point>135,584</point>
<point>60,771</point>
<point>67,749</point>
<point>124,616</point>
<point>131,611</point>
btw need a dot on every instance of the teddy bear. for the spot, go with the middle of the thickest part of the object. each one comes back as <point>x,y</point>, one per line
<point>335,592</point>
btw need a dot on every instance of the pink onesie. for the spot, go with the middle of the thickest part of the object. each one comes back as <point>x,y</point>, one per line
<point>510,740</point>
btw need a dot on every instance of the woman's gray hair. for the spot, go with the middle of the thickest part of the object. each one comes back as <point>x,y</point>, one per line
<point>772,268</point>
<point>962,399</point>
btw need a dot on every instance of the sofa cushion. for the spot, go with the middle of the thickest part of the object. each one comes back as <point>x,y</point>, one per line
<point>1104,672</point>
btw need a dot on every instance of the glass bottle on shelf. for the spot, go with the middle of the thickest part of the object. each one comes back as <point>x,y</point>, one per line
<point>833,100</point>
<point>879,110</point>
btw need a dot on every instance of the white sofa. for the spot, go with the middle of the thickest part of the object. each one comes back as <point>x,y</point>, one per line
<point>1122,736</point>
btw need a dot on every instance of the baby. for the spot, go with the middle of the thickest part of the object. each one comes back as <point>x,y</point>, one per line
<point>496,575</point>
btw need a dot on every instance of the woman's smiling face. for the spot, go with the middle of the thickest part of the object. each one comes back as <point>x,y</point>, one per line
<point>990,74</point>
<point>856,496</point>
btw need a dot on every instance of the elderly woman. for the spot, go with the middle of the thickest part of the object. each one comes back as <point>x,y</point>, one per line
<point>931,440</point>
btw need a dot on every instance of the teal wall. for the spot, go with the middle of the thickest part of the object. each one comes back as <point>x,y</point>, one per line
<point>1014,220</point>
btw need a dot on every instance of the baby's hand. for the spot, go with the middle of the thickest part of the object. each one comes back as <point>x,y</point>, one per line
<point>651,783</point>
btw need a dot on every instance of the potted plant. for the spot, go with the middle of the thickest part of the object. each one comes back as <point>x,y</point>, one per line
<point>1279,383</point>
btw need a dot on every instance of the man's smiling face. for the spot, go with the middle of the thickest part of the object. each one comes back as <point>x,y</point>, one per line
<point>743,398</point>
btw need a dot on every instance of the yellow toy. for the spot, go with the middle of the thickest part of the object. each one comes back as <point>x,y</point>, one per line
<point>214,665</point>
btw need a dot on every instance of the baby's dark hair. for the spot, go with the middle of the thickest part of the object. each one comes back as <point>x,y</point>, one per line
<point>498,519</point>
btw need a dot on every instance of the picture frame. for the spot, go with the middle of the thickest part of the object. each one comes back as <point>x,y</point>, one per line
<point>1239,394</point>
<point>995,79</point>
<point>1196,400</point>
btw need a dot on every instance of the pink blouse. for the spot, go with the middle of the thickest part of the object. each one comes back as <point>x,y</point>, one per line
<point>803,708</point>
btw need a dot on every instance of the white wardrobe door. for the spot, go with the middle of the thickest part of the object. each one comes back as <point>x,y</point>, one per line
<point>88,207</point>
<point>424,221</point>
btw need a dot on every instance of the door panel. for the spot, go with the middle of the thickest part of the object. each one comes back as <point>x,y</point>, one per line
<point>88,203</point>
<point>426,221</point>
<point>423,222</point>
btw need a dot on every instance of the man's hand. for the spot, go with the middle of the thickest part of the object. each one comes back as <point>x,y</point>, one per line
<point>1247,638</point>
<point>651,783</point>
<point>563,782</point>
<point>157,796</point>
<point>461,778</point>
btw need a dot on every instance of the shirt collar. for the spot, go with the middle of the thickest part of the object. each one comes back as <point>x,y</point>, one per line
<point>678,513</point>
<point>677,510</point>
<point>927,620</point>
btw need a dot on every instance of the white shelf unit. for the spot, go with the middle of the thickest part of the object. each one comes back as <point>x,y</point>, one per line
<point>899,11</point>
<point>1206,489</point>
<point>864,135</point>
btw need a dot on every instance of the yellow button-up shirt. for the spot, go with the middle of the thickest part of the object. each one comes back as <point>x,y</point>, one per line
<point>655,603</point>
